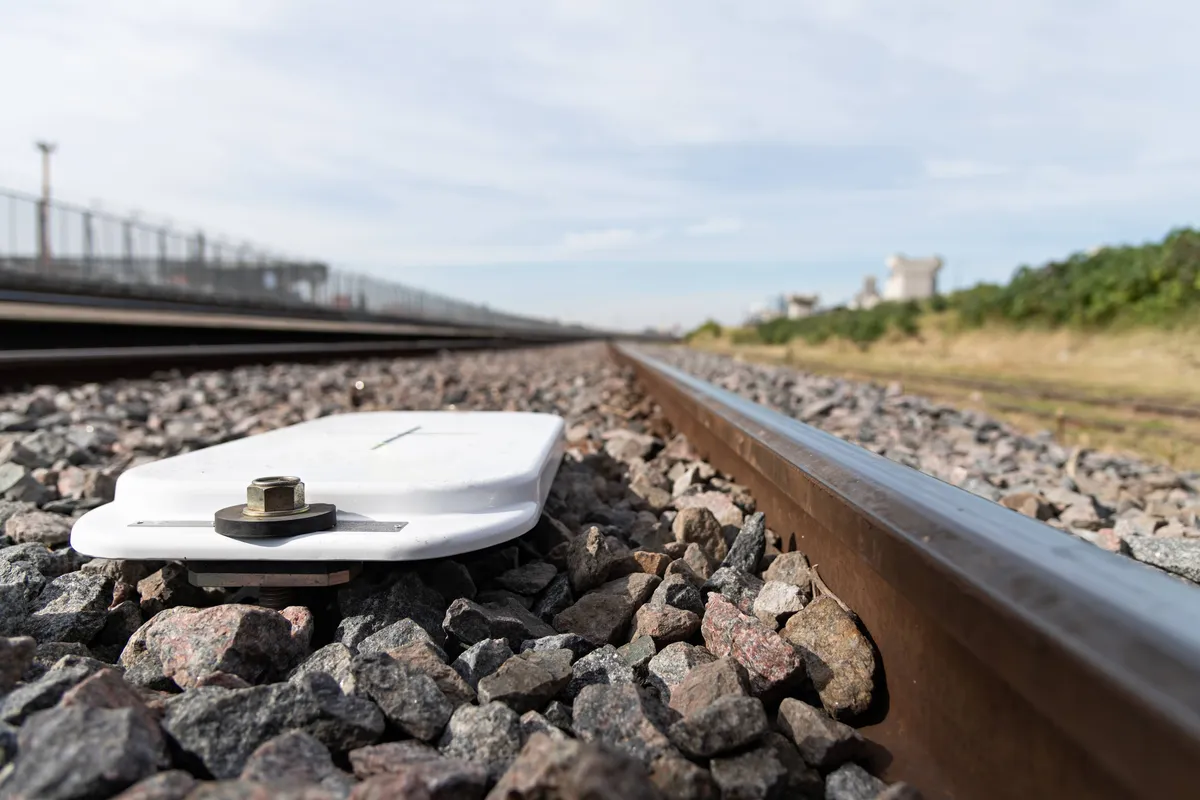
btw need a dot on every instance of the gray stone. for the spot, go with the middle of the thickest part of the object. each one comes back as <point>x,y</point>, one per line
<point>169,587</point>
<point>823,742</point>
<point>697,562</point>
<point>334,660</point>
<point>578,645</point>
<point>749,546</point>
<point>754,775</point>
<point>16,655</point>
<point>481,659</point>
<point>39,526</point>
<point>803,780</point>
<point>665,624</point>
<point>603,666</point>
<point>562,768</point>
<point>173,784</point>
<point>533,723</point>
<point>82,752</point>
<point>529,680</point>
<point>428,658</point>
<point>589,560</point>
<point>679,592</point>
<point>727,724</point>
<point>1138,525</point>
<point>637,654</point>
<point>35,554</point>
<point>672,664</point>
<point>776,603</point>
<point>367,610</point>
<point>697,525</point>
<point>720,504</point>
<point>706,683</point>
<point>740,588</point>
<point>296,759</point>
<point>680,779</point>
<point>10,508</point>
<point>616,716</point>
<point>71,608</point>
<point>50,653</point>
<point>469,622</point>
<point>559,715</point>
<point>409,699</point>
<point>220,728</point>
<point>440,778</point>
<point>397,634</point>
<point>16,484</point>
<point>602,616</point>
<point>556,598</point>
<point>488,735</point>
<point>47,690</point>
<point>627,446</point>
<point>528,579</point>
<point>391,757</point>
<point>852,782</point>
<point>1180,556</point>
<point>20,585</point>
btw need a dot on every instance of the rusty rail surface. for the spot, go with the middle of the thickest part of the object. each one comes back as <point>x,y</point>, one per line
<point>1016,661</point>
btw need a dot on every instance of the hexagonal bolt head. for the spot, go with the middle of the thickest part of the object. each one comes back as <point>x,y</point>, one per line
<point>275,495</point>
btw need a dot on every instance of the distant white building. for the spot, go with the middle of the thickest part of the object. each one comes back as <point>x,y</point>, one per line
<point>911,278</point>
<point>801,305</point>
<point>868,296</point>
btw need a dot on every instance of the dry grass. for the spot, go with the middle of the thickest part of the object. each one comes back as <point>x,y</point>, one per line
<point>1020,367</point>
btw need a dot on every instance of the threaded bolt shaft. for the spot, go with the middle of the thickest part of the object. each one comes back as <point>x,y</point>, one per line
<point>276,597</point>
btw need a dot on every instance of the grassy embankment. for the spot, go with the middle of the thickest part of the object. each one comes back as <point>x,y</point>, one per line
<point>1075,347</point>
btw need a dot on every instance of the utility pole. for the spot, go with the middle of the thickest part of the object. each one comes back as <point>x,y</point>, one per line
<point>44,206</point>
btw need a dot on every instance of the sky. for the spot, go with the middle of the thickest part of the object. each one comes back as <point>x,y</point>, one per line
<point>613,162</point>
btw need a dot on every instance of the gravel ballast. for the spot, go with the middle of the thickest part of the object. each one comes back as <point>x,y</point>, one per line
<point>638,643</point>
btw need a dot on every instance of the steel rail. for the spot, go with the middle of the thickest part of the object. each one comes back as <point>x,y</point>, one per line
<point>80,355</point>
<point>1016,661</point>
<point>82,364</point>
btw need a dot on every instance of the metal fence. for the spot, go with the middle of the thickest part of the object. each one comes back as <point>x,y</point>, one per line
<point>74,246</point>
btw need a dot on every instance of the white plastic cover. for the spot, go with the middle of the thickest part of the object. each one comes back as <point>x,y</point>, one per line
<point>407,485</point>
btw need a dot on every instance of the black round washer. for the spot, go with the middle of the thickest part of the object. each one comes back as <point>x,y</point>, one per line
<point>231,522</point>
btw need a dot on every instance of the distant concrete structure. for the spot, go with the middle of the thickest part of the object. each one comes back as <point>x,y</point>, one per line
<point>801,305</point>
<point>868,297</point>
<point>911,278</point>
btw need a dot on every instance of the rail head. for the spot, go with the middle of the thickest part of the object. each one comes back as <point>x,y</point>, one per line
<point>1017,660</point>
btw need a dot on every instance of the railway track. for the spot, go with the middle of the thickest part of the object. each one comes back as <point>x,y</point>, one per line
<point>1019,663</point>
<point>68,365</point>
<point>1011,660</point>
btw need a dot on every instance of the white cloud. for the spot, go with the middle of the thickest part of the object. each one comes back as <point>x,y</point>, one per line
<point>716,226</point>
<point>605,239</point>
<point>951,169</point>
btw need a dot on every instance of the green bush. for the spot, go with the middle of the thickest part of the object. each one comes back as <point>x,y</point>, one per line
<point>1154,284</point>
<point>861,327</point>
<point>709,328</point>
